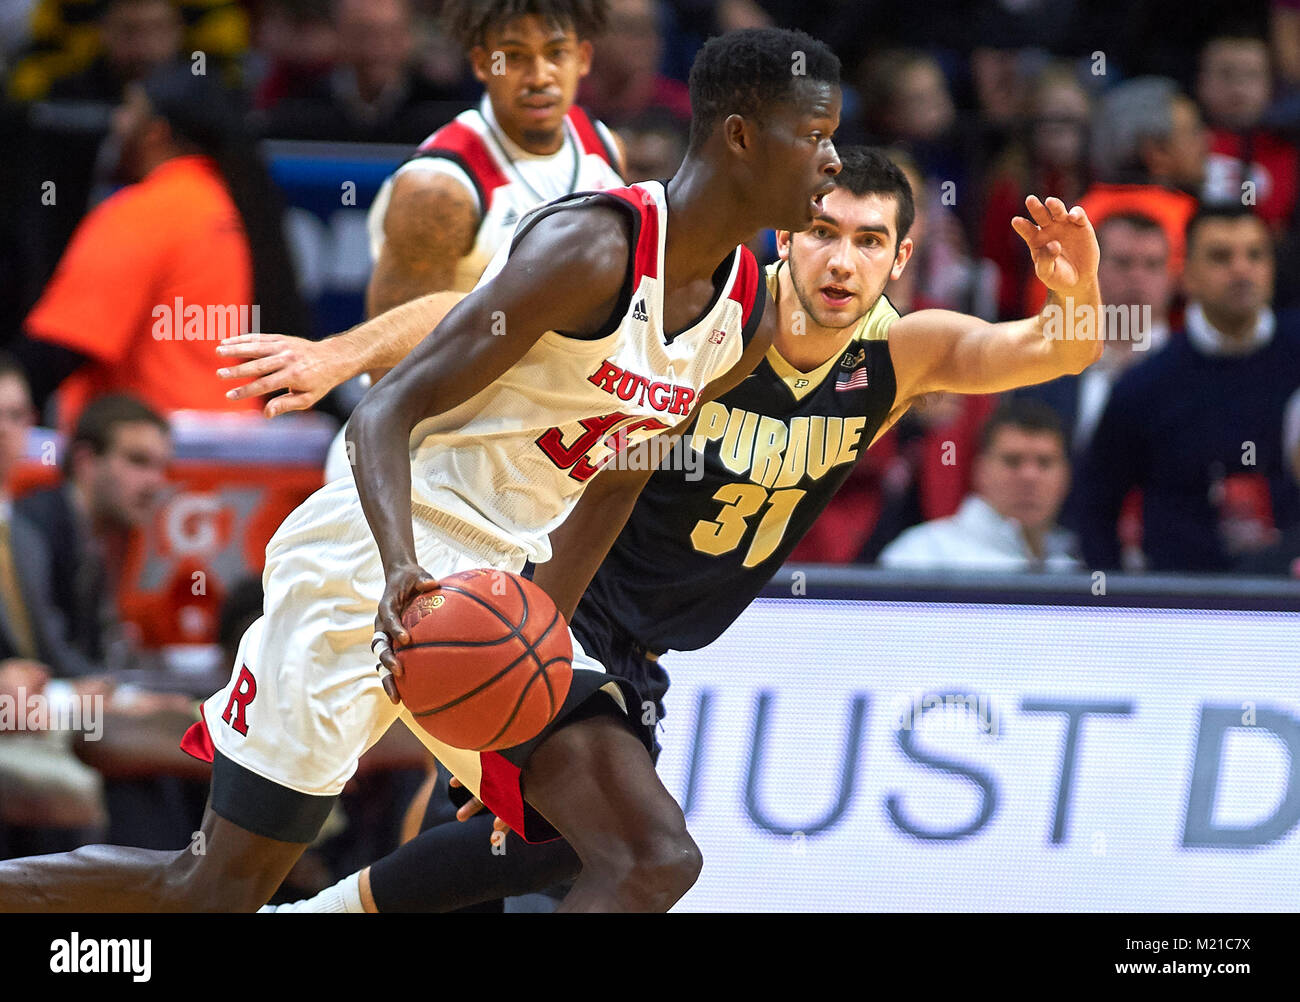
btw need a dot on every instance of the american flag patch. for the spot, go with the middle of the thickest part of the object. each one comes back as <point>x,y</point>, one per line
<point>855,380</point>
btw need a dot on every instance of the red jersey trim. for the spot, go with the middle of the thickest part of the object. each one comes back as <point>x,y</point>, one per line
<point>465,148</point>
<point>745,286</point>
<point>646,257</point>
<point>589,136</point>
<point>197,741</point>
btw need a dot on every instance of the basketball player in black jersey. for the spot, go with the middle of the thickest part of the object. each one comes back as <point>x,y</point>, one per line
<point>761,154</point>
<point>694,553</point>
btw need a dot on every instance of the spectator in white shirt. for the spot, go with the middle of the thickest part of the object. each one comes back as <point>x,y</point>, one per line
<point>1021,476</point>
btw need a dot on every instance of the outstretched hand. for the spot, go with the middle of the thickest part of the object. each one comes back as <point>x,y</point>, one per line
<point>1062,242</point>
<point>305,370</point>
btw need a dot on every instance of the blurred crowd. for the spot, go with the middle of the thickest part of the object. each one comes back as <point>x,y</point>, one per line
<point>1138,111</point>
<point>1174,125</point>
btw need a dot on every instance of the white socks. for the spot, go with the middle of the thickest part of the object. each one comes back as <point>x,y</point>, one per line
<point>345,896</point>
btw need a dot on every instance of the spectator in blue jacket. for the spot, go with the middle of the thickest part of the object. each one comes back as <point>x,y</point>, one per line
<point>1197,427</point>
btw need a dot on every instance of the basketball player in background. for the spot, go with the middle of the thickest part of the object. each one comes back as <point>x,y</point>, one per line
<point>591,292</point>
<point>843,367</point>
<point>439,218</point>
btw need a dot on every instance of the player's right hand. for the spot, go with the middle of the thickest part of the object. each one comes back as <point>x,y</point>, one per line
<point>1062,243</point>
<point>402,584</point>
<point>306,370</point>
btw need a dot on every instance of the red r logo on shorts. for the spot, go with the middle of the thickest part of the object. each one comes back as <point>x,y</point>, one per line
<point>245,691</point>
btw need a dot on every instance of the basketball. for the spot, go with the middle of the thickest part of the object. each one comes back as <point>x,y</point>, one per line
<point>489,662</point>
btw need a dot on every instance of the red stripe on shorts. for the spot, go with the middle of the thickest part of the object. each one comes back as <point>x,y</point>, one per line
<point>499,790</point>
<point>198,740</point>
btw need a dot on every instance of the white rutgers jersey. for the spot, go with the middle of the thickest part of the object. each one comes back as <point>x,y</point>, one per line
<point>513,459</point>
<point>505,181</point>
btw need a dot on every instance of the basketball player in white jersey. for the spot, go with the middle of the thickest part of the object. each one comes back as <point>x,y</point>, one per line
<point>439,218</point>
<point>471,453</point>
<point>828,292</point>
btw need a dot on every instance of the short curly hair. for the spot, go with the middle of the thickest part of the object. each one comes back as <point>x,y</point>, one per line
<point>746,72</point>
<point>468,21</point>
<point>868,170</point>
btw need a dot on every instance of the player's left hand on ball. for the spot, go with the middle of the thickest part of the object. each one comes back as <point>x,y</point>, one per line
<point>1062,242</point>
<point>402,585</point>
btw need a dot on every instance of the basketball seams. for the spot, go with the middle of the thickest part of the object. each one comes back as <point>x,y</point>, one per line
<point>489,606</point>
<point>458,643</point>
<point>523,601</point>
<point>550,689</point>
<point>515,631</point>
<point>475,691</point>
<point>531,649</point>
<point>523,694</point>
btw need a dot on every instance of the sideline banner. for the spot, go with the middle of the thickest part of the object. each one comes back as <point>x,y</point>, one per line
<point>861,755</point>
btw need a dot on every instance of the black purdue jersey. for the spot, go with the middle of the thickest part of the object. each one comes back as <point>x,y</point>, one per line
<point>776,448</point>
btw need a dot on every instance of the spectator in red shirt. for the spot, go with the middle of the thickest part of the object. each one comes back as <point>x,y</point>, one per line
<point>374,93</point>
<point>1247,162</point>
<point>294,47</point>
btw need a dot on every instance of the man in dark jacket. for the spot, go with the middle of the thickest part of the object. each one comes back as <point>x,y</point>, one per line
<point>114,472</point>
<point>1197,427</point>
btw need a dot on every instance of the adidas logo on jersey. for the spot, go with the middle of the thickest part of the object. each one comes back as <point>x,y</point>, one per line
<point>639,313</point>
